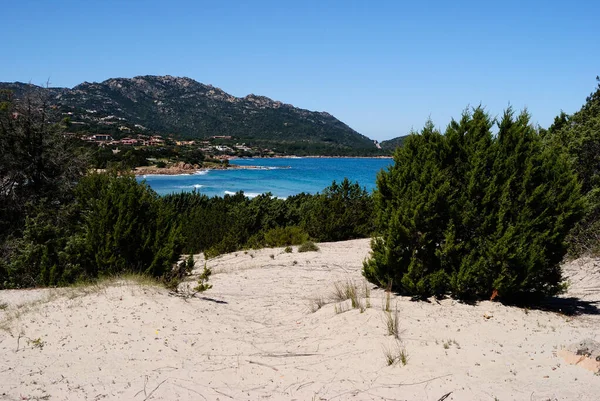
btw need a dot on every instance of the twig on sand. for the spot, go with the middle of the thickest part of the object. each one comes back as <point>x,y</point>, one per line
<point>425,381</point>
<point>18,341</point>
<point>442,398</point>
<point>264,364</point>
<point>166,368</point>
<point>288,355</point>
<point>304,385</point>
<point>144,389</point>
<point>356,392</point>
<point>189,389</point>
<point>155,388</point>
<point>222,393</point>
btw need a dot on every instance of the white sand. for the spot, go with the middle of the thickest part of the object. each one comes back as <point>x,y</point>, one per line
<point>253,337</point>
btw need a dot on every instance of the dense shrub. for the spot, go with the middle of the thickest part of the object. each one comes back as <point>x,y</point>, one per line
<point>578,136</point>
<point>341,212</point>
<point>284,236</point>
<point>38,164</point>
<point>41,255</point>
<point>126,227</point>
<point>219,225</point>
<point>471,213</point>
<point>308,246</point>
<point>115,225</point>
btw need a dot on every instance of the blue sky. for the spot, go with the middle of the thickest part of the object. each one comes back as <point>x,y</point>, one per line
<point>382,67</point>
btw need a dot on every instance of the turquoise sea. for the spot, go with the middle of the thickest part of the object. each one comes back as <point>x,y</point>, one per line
<point>281,177</point>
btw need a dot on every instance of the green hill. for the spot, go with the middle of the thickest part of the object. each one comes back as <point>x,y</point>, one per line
<point>185,108</point>
<point>393,143</point>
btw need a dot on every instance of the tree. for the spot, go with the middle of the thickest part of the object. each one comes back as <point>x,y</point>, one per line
<point>342,211</point>
<point>36,160</point>
<point>579,137</point>
<point>39,166</point>
<point>125,227</point>
<point>470,213</point>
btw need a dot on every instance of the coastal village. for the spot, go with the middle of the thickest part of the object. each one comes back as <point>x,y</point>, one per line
<point>207,146</point>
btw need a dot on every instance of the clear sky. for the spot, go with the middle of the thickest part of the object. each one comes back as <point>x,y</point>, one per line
<point>382,67</point>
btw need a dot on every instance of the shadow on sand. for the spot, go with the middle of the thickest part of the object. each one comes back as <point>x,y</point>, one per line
<point>569,306</point>
<point>217,301</point>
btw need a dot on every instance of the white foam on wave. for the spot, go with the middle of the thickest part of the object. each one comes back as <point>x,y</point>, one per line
<point>165,176</point>
<point>275,167</point>
<point>201,172</point>
<point>246,194</point>
<point>252,195</point>
<point>190,186</point>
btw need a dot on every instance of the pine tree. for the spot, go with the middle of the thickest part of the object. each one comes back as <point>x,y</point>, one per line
<point>578,136</point>
<point>471,213</point>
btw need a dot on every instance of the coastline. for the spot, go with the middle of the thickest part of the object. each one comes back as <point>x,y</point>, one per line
<point>191,169</point>
<point>314,157</point>
<point>175,170</point>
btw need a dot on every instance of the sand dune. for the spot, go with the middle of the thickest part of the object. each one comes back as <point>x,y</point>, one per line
<point>258,335</point>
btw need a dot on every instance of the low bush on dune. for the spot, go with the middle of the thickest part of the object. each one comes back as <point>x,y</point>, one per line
<point>277,237</point>
<point>285,236</point>
<point>308,246</point>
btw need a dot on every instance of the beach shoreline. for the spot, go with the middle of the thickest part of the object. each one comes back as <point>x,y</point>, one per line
<point>141,171</point>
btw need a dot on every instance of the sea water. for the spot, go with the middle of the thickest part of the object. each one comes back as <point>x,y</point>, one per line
<point>282,177</point>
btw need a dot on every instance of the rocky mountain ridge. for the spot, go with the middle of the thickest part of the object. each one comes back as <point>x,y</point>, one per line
<point>185,108</point>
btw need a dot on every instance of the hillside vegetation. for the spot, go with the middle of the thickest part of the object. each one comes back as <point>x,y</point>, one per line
<point>390,145</point>
<point>185,108</point>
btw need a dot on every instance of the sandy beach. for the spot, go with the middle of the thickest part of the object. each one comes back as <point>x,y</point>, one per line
<point>270,330</point>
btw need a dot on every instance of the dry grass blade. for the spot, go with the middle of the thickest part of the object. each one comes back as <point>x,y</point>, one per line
<point>316,303</point>
<point>393,323</point>
<point>397,355</point>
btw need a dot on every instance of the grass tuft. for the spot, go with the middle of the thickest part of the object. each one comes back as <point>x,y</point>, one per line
<point>386,302</point>
<point>316,304</point>
<point>448,343</point>
<point>393,322</point>
<point>36,343</point>
<point>203,280</point>
<point>395,355</point>
<point>343,291</point>
<point>403,356</point>
<point>308,246</point>
<point>341,308</point>
<point>348,290</point>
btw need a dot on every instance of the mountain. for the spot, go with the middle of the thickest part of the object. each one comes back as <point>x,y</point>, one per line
<point>185,108</point>
<point>391,144</point>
